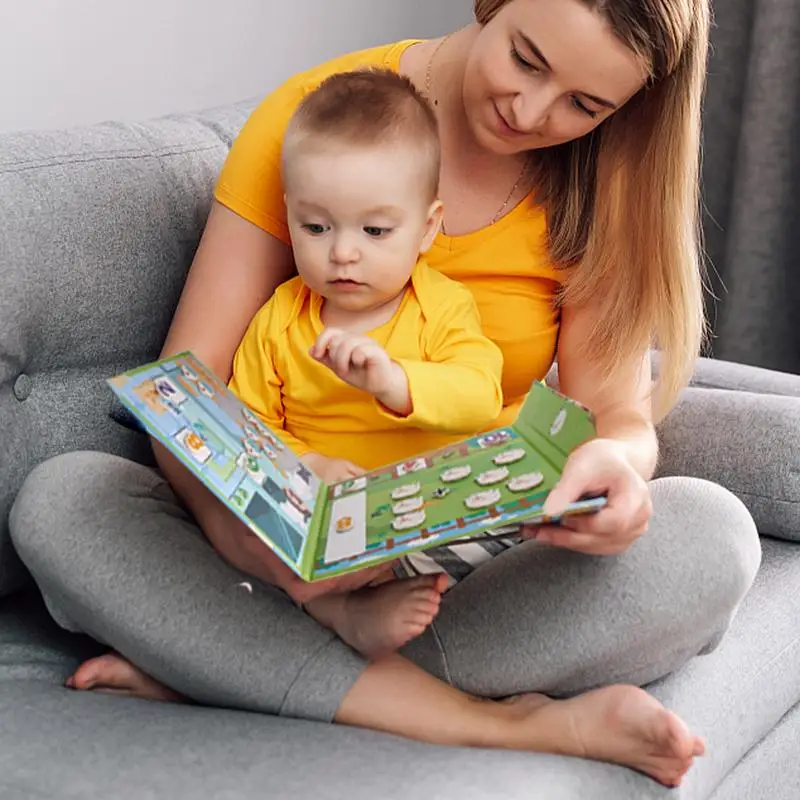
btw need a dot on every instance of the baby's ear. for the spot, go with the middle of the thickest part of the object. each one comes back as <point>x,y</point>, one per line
<point>433,225</point>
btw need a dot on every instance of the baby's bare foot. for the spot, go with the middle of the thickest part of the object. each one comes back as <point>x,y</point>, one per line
<point>113,674</point>
<point>620,724</point>
<point>379,620</point>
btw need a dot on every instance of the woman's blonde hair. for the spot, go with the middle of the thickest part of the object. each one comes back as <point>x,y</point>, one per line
<point>623,202</point>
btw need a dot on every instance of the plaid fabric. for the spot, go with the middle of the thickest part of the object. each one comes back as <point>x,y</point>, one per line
<point>458,559</point>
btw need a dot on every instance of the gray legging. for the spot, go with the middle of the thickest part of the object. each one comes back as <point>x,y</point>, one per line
<point>118,558</point>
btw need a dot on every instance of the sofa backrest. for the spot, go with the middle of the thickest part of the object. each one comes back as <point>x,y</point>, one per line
<point>98,226</point>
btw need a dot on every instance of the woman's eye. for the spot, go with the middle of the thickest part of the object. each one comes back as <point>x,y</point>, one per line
<point>522,62</point>
<point>581,107</point>
<point>315,228</point>
<point>375,231</point>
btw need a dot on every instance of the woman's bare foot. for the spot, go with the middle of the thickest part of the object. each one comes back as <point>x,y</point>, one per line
<point>379,620</point>
<point>620,724</point>
<point>113,674</point>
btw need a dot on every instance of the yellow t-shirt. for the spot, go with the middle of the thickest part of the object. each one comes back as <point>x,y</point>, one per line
<point>505,265</point>
<point>435,336</point>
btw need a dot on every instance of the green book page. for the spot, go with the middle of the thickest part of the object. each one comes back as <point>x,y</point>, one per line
<point>554,424</point>
<point>457,492</point>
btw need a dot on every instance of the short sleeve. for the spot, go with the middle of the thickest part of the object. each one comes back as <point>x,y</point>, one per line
<point>250,182</point>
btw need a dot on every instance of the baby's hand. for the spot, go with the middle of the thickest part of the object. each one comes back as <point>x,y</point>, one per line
<point>331,470</point>
<point>357,360</point>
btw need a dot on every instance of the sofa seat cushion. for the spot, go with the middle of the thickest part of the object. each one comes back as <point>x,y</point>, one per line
<point>98,228</point>
<point>733,697</point>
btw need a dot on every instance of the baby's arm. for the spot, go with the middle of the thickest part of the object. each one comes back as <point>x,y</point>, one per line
<point>363,363</point>
<point>457,387</point>
<point>257,383</point>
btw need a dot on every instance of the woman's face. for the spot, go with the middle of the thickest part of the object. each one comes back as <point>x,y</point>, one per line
<point>544,72</point>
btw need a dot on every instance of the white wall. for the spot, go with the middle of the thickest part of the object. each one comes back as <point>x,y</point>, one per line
<point>72,62</point>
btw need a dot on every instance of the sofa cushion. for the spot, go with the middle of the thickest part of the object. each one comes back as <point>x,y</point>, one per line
<point>749,443</point>
<point>97,229</point>
<point>733,697</point>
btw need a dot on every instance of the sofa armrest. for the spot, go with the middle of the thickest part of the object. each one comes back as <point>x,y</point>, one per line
<point>747,442</point>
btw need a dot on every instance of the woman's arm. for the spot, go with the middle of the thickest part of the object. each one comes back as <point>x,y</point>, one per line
<point>622,407</point>
<point>618,462</point>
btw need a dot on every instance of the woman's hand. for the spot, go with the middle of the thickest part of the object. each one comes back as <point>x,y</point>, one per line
<point>597,467</point>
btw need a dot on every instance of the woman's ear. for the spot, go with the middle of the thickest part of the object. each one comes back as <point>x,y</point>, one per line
<point>433,225</point>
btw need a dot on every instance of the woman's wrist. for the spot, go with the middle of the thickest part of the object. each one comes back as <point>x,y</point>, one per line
<point>634,439</point>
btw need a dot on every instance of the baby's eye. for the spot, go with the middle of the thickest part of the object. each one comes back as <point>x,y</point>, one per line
<point>375,231</point>
<point>316,229</point>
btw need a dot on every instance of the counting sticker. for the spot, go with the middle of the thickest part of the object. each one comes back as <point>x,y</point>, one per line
<point>409,490</point>
<point>194,445</point>
<point>455,474</point>
<point>483,499</point>
<point>509,457</point>
<point>204,390</point>
<point>344,524</point>
<point>409,521</point>
<point>169,391</point>
<point>187,373</point>
<point>558,422</point>
<point>523,483</point>
<point>407,506</point>
<point>492,476</point>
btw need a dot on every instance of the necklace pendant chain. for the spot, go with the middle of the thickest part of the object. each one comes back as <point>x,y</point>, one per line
<point>435,102</point>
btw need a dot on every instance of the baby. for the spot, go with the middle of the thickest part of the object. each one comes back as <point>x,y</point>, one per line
<point>368,353</point>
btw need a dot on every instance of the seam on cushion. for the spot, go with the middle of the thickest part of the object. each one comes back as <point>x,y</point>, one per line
<point>27,167</point>
<point>770,498</point>
<point>737,389</point>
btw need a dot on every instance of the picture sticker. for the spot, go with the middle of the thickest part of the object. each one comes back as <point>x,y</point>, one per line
<point>409,521</point>
<point>407,506</point>
<point>509,457</point>
<point>193,445</point>
<point>416,465</point>
<point>455,474</point>
<point>483,499</point>
<point>169,391</point>
<point>344,524</point>
<point>558,422</point>
<point>526,482</point>
<point>408,490</point>
<point>492,476</point>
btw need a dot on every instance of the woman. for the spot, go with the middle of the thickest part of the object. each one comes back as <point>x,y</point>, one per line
<point>570,131</point>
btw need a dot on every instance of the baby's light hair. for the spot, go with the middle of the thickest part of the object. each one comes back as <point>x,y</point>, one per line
<point>365,108</point>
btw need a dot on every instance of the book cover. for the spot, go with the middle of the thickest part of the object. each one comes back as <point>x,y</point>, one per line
<point>465,490</point>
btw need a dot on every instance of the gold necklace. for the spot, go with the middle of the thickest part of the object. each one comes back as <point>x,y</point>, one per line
<point>435,102</point>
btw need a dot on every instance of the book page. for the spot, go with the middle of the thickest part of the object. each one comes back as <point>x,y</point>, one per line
<point>187,408</point>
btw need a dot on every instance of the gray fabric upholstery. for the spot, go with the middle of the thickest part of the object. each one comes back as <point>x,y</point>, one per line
<point>98,228</point>
<point>733,696</point>
<point>752,180</point>
<point>749,443</point>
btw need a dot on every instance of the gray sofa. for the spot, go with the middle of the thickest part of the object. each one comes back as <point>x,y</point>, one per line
<point>97,228</point>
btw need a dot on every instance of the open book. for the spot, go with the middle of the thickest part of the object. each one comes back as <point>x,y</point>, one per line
<point>462,491</point>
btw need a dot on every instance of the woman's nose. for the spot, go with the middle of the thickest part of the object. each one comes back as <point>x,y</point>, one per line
<point>532,110</point>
